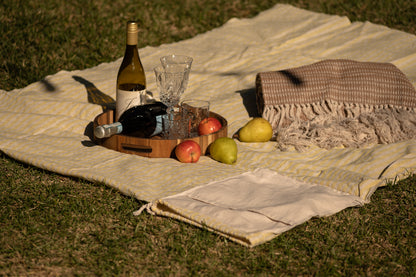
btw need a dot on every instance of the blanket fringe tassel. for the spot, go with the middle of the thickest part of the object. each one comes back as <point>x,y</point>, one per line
<point>146,207</point>
<point>330,124</point>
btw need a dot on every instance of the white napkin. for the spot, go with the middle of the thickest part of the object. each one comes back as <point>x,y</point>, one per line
<point>254,205</point>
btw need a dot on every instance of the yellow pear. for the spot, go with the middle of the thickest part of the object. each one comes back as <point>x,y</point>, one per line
<point>224,150</point>
<point>257,129</point>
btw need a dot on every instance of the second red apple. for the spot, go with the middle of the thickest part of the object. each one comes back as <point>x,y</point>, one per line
<point>188,151</point>
<point>209,125</point>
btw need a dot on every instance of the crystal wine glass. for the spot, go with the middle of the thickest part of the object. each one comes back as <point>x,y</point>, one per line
<point>178,61</point>
<point>171,82</point>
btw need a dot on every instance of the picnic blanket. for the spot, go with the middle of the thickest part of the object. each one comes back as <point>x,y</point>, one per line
<point>48,124</point>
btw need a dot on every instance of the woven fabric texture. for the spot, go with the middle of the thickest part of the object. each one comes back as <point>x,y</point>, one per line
<point>338,102</point>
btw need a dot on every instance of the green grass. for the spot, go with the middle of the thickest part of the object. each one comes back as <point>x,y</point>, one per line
<point>60,226</point>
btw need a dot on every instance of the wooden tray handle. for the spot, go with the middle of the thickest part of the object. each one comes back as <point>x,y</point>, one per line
<point>136,148</point>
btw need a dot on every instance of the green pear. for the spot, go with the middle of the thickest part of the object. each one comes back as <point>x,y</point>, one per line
<point>224,150</point>
<point>257,129</point>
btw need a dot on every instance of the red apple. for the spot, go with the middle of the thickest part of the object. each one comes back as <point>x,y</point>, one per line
<point>188,151</point>
<point>209,125</point>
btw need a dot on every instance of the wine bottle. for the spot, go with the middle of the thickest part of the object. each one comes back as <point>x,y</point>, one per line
<point>139,121</point>
<point>131,80</point>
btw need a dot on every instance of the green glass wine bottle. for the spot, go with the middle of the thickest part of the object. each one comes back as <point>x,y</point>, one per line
<point>131,79</point>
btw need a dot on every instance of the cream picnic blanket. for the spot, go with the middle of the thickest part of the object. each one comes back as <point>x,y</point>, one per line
<point>48,124</point>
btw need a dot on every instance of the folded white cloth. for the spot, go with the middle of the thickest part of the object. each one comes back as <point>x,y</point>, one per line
<point>254,206</point>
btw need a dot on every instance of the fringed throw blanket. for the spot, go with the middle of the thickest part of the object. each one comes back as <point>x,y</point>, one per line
<point>338,103</point>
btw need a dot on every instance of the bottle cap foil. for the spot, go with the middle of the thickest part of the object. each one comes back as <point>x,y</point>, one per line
<point>132,32</point>
<point>132,27</point>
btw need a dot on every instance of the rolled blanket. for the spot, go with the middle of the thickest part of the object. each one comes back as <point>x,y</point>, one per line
<point>338,103</point>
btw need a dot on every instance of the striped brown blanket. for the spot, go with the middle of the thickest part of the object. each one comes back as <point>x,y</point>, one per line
<point>338,103</point>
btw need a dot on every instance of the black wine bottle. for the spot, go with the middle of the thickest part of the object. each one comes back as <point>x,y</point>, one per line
<point>140,121</point>
<point>131,79</point>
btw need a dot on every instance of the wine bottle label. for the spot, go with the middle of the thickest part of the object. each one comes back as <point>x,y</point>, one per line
<point>159,125</point>
<point>128,99</point>
<point>118,128</point>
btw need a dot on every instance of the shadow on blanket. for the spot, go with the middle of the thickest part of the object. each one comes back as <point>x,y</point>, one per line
<point>249,101</point>
<point>95,96</point>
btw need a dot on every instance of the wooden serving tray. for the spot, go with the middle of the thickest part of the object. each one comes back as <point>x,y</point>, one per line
<point>155,147</point>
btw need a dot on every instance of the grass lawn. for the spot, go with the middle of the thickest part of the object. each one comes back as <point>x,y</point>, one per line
<point>52,225</point>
